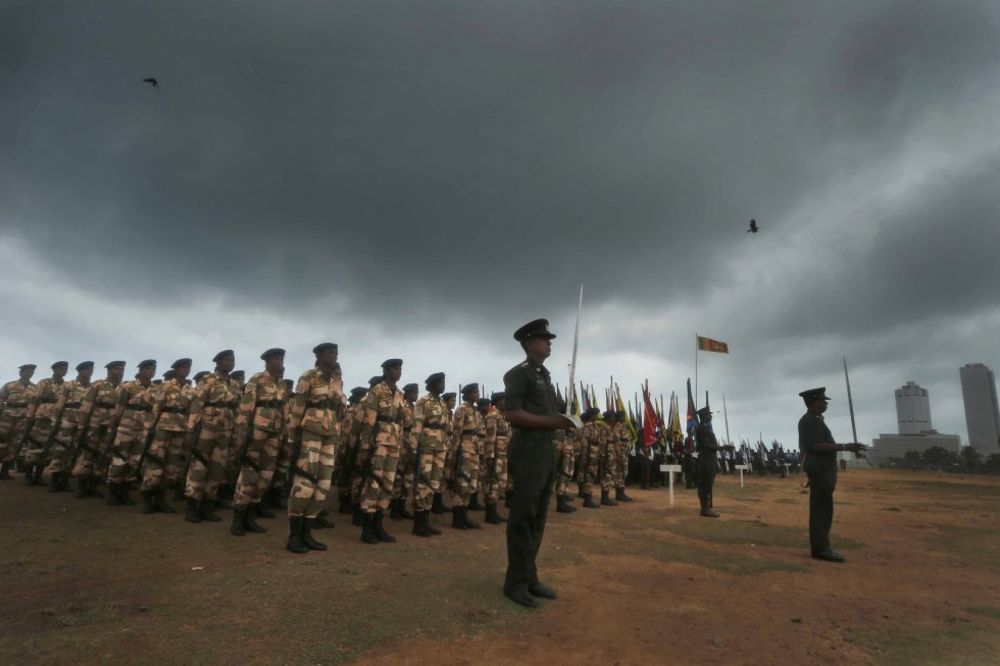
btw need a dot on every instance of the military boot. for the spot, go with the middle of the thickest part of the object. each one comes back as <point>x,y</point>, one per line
<point>250,522</point>
<point>427,523</point>
<point>147,502</point>
<point>394,512</point>
<point>123,489</point>
<point>492,517</point>
<point>114,498</point>
<point>437,505</point>
<point>162,505</point>
<point>192,515</point>
<point>92,490</point>
<point>474,504</point>
<point>457,521</point>
<point>469,524</point>
<point>82,487</point>
<point>707,511</point>
<point>562,506</point>
<point>5,471</point>
<point>589,503</point>
<point>205,510</point>
<point>295,543</point>
<point>320,522</point>
<point>262,510</point>
<point>344,505</point>
<point>606,500</point>
<point>379,529</point>
<point>368,528</point>
<point>620,495</point>
<point>357,516</point>
<point>420,523</point>
<point>237,527</point>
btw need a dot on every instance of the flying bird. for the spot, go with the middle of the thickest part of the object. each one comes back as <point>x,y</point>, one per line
<point>753,227</point>
<point>153,82</point>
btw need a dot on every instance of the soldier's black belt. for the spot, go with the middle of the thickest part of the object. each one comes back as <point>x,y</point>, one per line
<point>48,401</point>
<point>470,432</point>
<point>319,404</point>
<point>105,405</point>
<point>17,405</point>
<point>388,420</point>
<point>139,408</point>
<point>271,404</point>
<point>72,405</point>
<point>222,405</point>
<point>431,426</point>
<point>174,410</point>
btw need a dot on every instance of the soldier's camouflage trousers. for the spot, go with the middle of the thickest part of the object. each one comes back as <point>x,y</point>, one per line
<point>588,471</point>
<point>565,472</point>
<point>342,462</point>
<point>164,463</point>
<point>357,475</point>
<point>258,468</point>
<point>11,433</point>
<point>621,468</point>
<point>89,462</point>
<point>402,487</point>
<point>281,466</point>
<point>610,467</point>
<point>495,481</point>
<point>466,481</point>
<point>377,490</point>
<point>61,451</point>
<point>430,479</point>
<point>35,444</point>
<point>314,469</point>
<point>207,470</point>
<point>124,457</point>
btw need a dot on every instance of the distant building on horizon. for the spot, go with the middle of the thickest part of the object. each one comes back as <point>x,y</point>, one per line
<point>982,417</point>
<point>913,409</point>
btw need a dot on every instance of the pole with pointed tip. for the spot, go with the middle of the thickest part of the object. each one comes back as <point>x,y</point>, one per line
<point>576,341</point>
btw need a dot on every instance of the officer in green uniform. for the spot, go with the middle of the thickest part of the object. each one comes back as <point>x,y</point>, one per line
<point>820,453</point>
<point>532,411</point>
<point>708,448</point>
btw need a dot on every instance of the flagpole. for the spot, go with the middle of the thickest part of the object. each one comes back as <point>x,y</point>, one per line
<point>696,363</point>
<point>725,415</point>
<point>576,340</point>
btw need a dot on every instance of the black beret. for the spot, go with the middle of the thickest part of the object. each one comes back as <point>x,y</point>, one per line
<point>498,396</point>
<point>270,353</point>
<point>201,373</point>
<point>28,366</point>
<point>814,394</point>
<point>223,354</point>
<point>392,363</point>
<point>434,377</point>
<point>538,328</point>
<point>238,373</point>
<point>609,416</point>
<point>157,382</point>
<point>469,388</point>
<point>483,402</point>
<point>323,346</point>
<point>410,387</point>
<point>448,396</point>
<point>58,363</point>
<point>589,413</point>
<point>146,363</point>
<point>358,391</point>
<point>114,364</point>
<point>179,362</point>
<point>83,365</point>
<point>289,383</point>
<point>376,379</point>
<point>170,374</point>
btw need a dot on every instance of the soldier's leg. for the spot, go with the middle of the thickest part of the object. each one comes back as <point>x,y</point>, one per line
<point>201,459</point>
<point>327,455</point>
<point>532,470</point>
<point>6,432</point>
<point>424,492</point>
<point>435,479</point>
<point>176,456</point>
<point>371,491</point>
<point>269,448</point>
<point>820,513</point>
<point>249,476</point>
<point>218,456</point>
<point>154,466</point>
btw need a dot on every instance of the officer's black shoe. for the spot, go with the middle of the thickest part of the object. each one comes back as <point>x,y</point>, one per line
<point>562,505</point>
<point>114,497</point>
<point>345,505</point>
<point>82,486</point>
<point>394,512</point>
<point>540,590</point>
<point>589,503</point>
<point>205,510</point>
<point>92,489</point>
<point>162,505</point>
<point>520,595</point>
<point>620,495</point>
<point>468,523</point>
<point>192,515</point>
<point>123,494</point>
<point>237,527</point>
<point>457,521</point>
<point>709,512</point>
<point>437,506</point>
<point>492,517</point>
<point>147,502</point>
<point>420,521</point>
<point>379,529</point>
<point>368,528</point>
<point>320,522</point>
<point>358,517</point>
<point>295,543</point>
<point>5,471</point>
<point>250,523</point>
<point>262,510</point>
<point>829,555</point>
<point>307,537</point>
<point>474,504</point>
<point>607,501</point>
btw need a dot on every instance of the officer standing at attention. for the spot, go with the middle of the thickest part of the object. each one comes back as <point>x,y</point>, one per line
<point>708,448</point>
<point>532,411</point>
<point>820,451</point>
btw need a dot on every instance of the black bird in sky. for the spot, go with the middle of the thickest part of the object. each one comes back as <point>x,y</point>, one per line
<point>153,82</point>
<point>753,227</point>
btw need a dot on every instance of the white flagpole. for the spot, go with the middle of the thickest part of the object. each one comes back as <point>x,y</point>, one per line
<point>576,340</point>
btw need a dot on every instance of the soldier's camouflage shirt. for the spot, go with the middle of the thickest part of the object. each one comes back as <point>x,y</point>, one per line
<point>99,403</point>
<point>15,397</point>
<point>71,404</point>
<point>214,405</point>
<point>268,396</point>
<point>380,418</point>
<point>45,398</point>
<point>135,406</point>
<point>466,424</point>
<point>173,406</point>
<point>497,433</point>
<point>430,423</point>
<point>319,403</point>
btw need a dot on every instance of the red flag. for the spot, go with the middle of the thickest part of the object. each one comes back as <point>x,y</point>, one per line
<point>649,420</point>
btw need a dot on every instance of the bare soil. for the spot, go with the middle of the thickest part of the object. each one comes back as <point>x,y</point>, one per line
<point>640,583</point>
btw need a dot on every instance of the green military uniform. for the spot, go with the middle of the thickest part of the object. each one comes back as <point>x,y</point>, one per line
<point>708,448</point>
<point>821,468</point>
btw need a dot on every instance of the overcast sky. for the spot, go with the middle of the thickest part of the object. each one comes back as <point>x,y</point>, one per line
<point>418,179</point>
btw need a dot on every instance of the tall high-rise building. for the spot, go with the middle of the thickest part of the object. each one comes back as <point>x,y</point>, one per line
<point>913,409</point>
<point>982,417</point>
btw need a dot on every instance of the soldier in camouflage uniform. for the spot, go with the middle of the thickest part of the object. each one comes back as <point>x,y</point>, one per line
<point>211,424</point>
<point>315,417</point>
<point>199,377</point>
<point>430,420</point>
<point>43,419</point>
<point>96,414</point>
<point>402,487</point>
<point>498,432</point>
<point>360,455</point>
<point>590,436</point>
<point>130,420</point>
<point>258,425</point>
<point>381,425</point>
<point>608,459</point>
<point>163,465</point>
<point>437,506</point>
<point>14,398</point>
<point>466,425</point>
<point>68,408</point>
<point>240,377</point>
<point>566,449</point>
<point>344,463</point>
<point>483,408</point>
<point>277,495</point>
<point>623,439</point>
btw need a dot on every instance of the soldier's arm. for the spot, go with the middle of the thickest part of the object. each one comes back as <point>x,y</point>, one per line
<point>364,426</point>
<point>198,405</point>
<point>418,419</point>
<point>247,401</point>
<point>297,406</point>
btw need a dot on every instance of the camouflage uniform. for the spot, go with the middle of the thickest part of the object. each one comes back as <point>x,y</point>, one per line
<point>607,457</point>
<point>315,416</point>
<point>592,439</point>
<point>430,423</point>
<point>466,426</point>
<point>14,399</point>
<point>70,407</point>
<point>402,487</point>
<point>361,450</point>
<point>567,449</point>
<point>279,481</point>
<point>133,415</point>
<point>213,415</point>
<point>380,423</point>
<point>263,398</point>
<point>167,454</point>
<point>42,414</point>
<point>95,426</point>
<point>498,432</point>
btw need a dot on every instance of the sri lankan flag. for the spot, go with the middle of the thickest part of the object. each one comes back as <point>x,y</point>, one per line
<point>710,345</point>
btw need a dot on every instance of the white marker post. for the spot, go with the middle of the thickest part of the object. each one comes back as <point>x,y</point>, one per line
<point>671,470</point>
<point>742,468</point>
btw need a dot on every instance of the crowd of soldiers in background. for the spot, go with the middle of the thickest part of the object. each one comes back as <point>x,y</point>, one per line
<point>218,441</point>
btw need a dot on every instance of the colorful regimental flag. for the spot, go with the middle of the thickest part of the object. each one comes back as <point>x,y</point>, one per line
<point>649,420</point>
<point>710,345</point>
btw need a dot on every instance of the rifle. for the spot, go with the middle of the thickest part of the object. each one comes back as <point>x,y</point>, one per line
<point>417,468</point>
<point>242,453</point>
<point>192,452</point>
<point>81,444</point>
<point>456,466</point>
<point>145,450</point>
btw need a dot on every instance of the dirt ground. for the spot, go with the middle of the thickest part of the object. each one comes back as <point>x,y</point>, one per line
<point>638,584</point>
